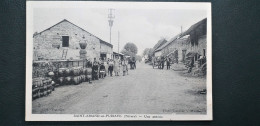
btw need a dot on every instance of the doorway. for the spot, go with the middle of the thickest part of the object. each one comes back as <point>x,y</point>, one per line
<point>183,55</point>
<point>103,56</point>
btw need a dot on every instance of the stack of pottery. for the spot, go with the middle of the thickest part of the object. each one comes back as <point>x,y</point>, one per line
<point>78,75</point>
<point>64,76</point>
<point>42,87</point>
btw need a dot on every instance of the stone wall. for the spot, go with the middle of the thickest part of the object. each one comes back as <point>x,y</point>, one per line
<point>46,42</point>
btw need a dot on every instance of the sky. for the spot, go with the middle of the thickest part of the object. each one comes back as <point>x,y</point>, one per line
<point>143,27</point>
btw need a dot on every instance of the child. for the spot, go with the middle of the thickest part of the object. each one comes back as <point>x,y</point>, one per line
<point>124,68</point>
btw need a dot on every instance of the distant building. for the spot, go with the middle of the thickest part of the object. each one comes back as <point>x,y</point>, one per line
<point>120,55</point>
<point>51,43</point>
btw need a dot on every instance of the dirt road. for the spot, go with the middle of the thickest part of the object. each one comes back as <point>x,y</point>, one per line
<point>144,91</point>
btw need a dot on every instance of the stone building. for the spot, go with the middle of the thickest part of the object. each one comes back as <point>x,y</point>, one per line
<point>61,41</point>
<point>191,42</point>
<point>158,45</point>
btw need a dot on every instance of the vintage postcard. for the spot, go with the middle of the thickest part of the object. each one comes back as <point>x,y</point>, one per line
<point>111,61</point>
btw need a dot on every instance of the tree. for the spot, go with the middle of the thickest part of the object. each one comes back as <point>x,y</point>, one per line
<point>148,52</point>
<point>127,53</point>
<point>131,47</point>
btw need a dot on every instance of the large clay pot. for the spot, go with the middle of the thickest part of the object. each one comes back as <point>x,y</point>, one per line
<point>61,80</point>
<point>51,74</point>
<point>75,71</point>
<point>67,72</point>
<point>83,44</point>
<point>68,80</point>
<point>61,71</point>
<point>84,71</point>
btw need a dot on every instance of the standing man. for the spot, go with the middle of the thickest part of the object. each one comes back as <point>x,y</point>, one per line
<point>162,62</point>
<point>95,70</point>
<point>159,62</point>
<point>168,61</point>
<point>110,67</point>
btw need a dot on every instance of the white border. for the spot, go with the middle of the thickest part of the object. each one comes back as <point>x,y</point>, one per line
<point>30,5</point>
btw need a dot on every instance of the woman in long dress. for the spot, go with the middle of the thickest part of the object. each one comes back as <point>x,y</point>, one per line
<point>116,67</point>
<point>106,67</point>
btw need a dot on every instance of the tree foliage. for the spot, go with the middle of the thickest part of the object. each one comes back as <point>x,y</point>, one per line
<point>148,52</point>
<point>127,53</point>
<point>131,47</point>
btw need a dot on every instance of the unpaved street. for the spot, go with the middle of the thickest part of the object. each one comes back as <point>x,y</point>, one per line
<point>144,91</point>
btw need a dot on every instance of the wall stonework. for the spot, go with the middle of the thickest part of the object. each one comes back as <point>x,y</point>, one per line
<point>46,42</point>
<point>105,49</point>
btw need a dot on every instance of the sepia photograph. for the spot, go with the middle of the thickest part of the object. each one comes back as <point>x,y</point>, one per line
<point>110,61</point>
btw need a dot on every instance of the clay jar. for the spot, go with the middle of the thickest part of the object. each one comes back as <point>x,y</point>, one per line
<point>82,44</point>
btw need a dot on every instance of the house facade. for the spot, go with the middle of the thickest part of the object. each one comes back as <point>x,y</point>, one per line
<point>51,43</point>
<point>194,40</point>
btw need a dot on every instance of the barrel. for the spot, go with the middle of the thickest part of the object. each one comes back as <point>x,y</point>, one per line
<point>51,74</point>
<point>84,71</point>
<point>74,80</point>
<point>60,72</point>
<point>68,80</point>
<point>53,85</point>
<point>74,71</point>
<point>67,72</point>
<point>61,80</point>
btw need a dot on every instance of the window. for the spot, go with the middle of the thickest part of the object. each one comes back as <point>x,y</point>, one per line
<point>65,41</point>
<point>204,52</point>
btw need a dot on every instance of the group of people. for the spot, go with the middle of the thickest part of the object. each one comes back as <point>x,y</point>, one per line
<point>102,68</point>
<point>160,61</point>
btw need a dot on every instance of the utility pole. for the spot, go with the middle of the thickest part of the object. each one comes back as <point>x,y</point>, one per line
<point>110,20</point>
<point>118,43</point>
